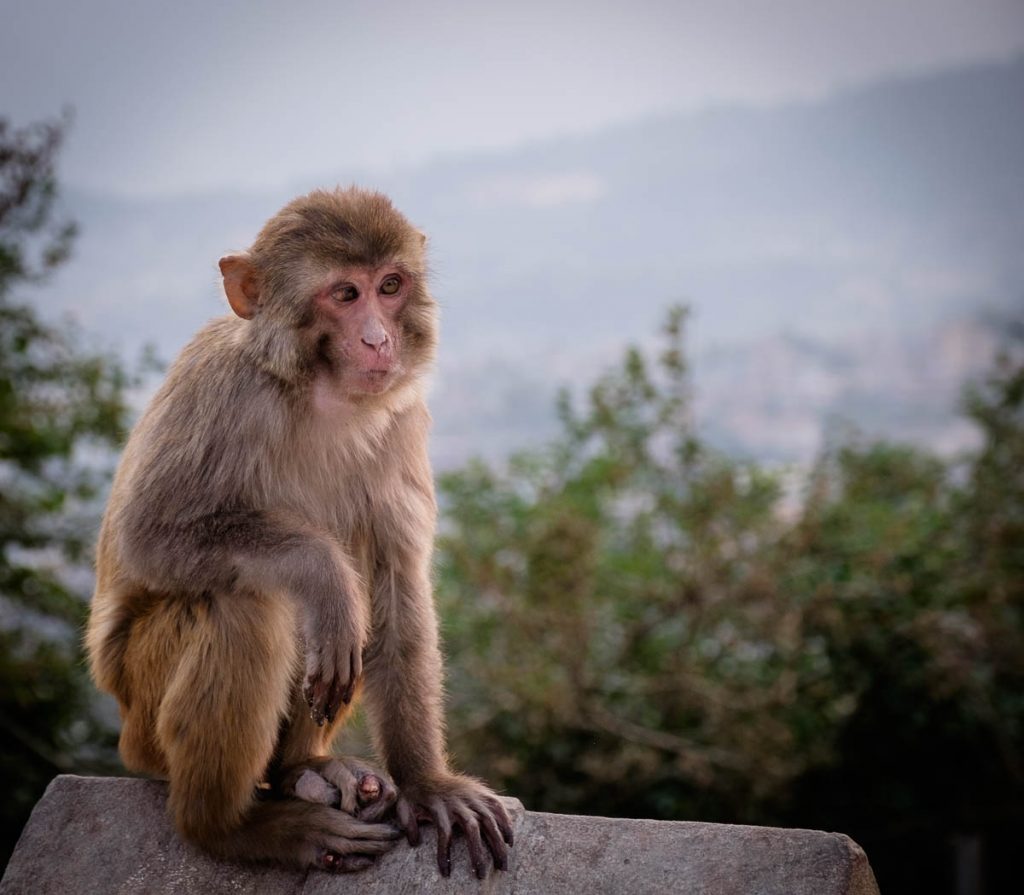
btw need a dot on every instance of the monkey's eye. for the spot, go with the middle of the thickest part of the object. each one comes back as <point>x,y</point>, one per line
<point>345,293</point>
<point>391,285</point>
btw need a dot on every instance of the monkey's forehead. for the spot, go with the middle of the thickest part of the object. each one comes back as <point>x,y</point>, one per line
<point>312,275</point>
<point>330,271</point>
<point>350,227</point>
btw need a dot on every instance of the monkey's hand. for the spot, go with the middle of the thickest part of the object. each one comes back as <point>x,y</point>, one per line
<point>344,783</point>
<point>334,665</point>
<point>456,802</point>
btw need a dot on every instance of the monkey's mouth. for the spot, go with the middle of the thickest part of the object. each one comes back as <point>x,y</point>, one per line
<point>373,381</point>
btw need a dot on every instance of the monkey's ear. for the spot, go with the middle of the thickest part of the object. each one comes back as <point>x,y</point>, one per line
<point>240,285</point>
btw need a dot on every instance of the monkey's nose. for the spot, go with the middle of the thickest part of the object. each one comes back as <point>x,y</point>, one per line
<point>374,334</point>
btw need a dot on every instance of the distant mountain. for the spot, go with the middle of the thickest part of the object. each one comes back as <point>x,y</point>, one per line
<point>841,258</point>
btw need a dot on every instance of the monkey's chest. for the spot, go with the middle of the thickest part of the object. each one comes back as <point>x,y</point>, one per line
<point>335,490</point>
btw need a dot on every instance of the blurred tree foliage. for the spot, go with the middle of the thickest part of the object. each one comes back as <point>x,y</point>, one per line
<point>641,626</point>
<point>61,410</point>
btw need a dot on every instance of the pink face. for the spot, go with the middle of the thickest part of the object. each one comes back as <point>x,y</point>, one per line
<point>360,306</point>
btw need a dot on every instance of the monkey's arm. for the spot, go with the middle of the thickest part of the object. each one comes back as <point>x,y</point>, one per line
<point>232,553</point>
<point>405,702</point>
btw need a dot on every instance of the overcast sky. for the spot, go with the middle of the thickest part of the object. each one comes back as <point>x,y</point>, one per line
<point>185,96</point>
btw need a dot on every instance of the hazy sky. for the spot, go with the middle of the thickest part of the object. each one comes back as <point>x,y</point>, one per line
<point>189,95</point>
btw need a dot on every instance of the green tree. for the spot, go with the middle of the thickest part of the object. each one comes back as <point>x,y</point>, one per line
<point>913,570</point>
<point>641,626</point>
<point>62,409</point>
<point>616,603</point>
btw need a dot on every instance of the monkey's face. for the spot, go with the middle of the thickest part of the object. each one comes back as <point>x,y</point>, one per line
<point>359,334</point>
<point>334,286</point>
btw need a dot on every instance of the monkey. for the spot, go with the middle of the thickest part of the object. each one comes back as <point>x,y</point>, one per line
<point>265,555</point>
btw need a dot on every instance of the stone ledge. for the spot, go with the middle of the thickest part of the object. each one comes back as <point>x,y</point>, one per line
<point>99,836</point>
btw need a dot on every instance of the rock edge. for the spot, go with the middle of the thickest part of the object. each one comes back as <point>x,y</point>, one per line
<point>99,836</point>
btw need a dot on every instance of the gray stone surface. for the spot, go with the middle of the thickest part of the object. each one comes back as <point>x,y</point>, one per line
<point>99,836</point>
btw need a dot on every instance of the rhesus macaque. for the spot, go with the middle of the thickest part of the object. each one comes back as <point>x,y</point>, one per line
<point>265,557</point>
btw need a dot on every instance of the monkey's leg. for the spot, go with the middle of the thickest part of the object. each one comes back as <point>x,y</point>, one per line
<point>217,726</point>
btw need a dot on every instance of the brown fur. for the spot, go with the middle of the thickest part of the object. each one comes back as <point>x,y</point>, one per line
<point>267,543</point>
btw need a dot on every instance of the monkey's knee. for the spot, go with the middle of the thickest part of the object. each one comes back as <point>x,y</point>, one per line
<point>204,823</point>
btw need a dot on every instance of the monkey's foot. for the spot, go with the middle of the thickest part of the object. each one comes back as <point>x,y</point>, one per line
<point>344,783</point>
<point>456,802</point>
<point>344,844</point>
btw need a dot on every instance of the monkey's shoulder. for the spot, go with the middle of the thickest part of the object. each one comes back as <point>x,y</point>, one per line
<point>211,404</point>
<point>215,358</point>
<point>214,383</point>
